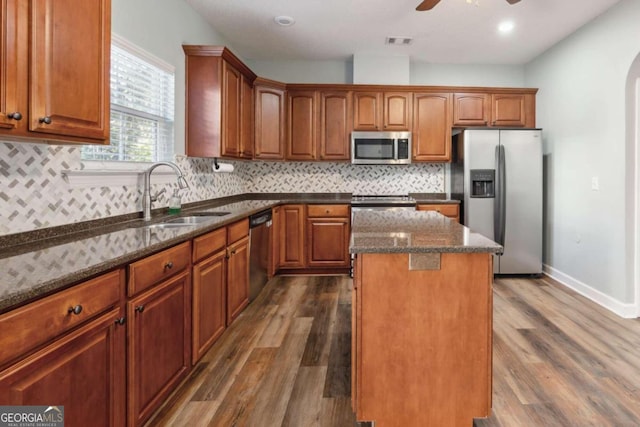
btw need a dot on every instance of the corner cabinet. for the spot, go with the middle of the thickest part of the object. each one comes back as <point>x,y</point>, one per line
<point>55,64</point>
<point>270,119</point>
<point>219,103</point>
<point>431,136</point>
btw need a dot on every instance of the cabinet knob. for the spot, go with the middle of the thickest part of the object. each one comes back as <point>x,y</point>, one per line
<point>139,308</point>
<point>169,265</point>
<point>15,116</point>
<point>46,120</point>
<point>121,321</point>
<point>75,310</point>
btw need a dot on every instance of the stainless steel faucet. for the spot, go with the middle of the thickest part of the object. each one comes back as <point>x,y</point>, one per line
<point>147,198</point>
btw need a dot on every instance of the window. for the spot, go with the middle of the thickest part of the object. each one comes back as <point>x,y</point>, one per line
<point>142,108</point>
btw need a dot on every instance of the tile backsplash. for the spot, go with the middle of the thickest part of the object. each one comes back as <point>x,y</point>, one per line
<point>34,193</point>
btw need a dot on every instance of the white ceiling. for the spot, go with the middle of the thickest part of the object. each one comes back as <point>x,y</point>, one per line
<point>454,32</point>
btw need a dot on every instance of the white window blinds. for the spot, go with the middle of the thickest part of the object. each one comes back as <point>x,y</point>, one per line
<point>142,108</point>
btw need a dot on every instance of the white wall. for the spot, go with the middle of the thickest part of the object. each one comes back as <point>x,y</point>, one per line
<point>581,107</point>
<point>420,73</point>
<point>161,27</point>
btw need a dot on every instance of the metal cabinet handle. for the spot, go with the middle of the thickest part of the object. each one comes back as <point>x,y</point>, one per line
<point>15,116</point>
<point>46,120</point>
<point>121,321</point>
<point>75,310</point>
<point>139,308</point>
<point>169,265</point>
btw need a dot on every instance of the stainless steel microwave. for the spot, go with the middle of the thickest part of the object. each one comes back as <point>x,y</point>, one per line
<point>381,148</point>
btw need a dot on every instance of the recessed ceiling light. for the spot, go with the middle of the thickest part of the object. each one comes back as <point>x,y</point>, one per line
<point>402,41</point>
<point>506,27</point>
<point>285,21</point>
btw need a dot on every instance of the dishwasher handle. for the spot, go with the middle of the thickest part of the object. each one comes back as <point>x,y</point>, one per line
<point>260,218</point>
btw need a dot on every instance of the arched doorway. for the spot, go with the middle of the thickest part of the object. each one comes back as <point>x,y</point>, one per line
<point>633,179</point>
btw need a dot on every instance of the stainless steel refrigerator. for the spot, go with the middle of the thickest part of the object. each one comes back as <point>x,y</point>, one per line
<point>497,175</point>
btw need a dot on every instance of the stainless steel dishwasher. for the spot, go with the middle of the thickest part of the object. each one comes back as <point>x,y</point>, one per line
<point>259,247</point>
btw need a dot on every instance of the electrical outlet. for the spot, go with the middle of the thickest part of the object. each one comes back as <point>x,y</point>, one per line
<point>595,183</point>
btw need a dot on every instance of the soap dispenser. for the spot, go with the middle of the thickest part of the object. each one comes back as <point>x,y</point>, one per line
<point>174,203</point>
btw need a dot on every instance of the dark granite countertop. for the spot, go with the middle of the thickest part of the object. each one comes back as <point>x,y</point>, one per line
<point>409,231</point>
<point>58,258</point>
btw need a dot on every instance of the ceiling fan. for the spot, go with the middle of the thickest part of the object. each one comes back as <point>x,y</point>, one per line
<point>430,4</point>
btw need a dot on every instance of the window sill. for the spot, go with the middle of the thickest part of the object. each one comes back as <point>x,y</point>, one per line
<point>106,174</point>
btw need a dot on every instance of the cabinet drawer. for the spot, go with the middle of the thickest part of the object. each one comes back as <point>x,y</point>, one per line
<point>153,269</point>
<point>28,327</point>
<point>450,210</point>
<point>324,211</point>
<point>209,243</point>
<point>237,230</point>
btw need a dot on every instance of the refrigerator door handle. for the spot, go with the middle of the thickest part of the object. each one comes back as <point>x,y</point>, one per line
<point>500,206</point>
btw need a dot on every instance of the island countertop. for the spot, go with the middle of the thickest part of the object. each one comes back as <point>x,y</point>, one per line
<point>408,231</point>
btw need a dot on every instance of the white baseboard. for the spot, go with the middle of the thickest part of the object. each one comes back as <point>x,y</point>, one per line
<point>627,311</point>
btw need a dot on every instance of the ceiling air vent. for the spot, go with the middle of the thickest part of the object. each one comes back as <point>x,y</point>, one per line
<point>400,41</point>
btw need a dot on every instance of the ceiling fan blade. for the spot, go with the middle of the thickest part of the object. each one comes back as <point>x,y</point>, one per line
<point>428,4</point>
<point>512,1</point>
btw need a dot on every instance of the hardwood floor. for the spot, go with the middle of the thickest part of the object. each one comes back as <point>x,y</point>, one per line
<point>559,360</point>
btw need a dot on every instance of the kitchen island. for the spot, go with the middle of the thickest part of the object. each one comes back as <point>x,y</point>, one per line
<point>422,320</point>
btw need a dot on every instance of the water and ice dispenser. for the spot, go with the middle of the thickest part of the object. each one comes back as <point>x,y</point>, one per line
<point>483,183</point>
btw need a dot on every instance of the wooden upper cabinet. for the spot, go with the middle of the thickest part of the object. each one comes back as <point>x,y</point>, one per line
<point>218,94</point>
<point>397,111</point>
<point>367,111</point>
<point>231,117</point>
<point>269,121</point>
<point>431,135</point>
<point>12,75</point>
<point>246,119</point>
<point>335,125</point>
<point>69,75</point>
<point>301,124</point>
<point>471,109</point>
<point>54,63</point>
<point>516,110</point>
<point>377,111</point>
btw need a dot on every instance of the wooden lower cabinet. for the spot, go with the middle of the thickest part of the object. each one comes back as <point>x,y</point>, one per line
<point>292,238</point>
<point>209,302</point>
<point>422,347</point>
<point>237,278</point>
<point>450,210</point>
<point>328,242</point>
<point>84,371</point>
<point>159,338</point>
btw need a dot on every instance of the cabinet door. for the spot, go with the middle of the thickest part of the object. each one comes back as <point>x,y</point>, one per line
<point>397,111</point>
<point>237,278</point>
<point>274,261</point>
<point>159,344</point>
<point>12,71</point>
<point>231,121</point>
<point>431,137</point>
<point>367,111</point>
<point>292,237</point>
<point>269,124</point>
<point>246,118</point>
<point>508,110</point>
<point>83,371</point>
<point>471,109</point>
<point>302,123</point>
<point>209,303</point>
<point>69,75</point>
<point>336,120</point>
<point>328,242</point>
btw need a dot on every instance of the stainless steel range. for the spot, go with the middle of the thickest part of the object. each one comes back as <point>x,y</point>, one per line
<point>387,202</point>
